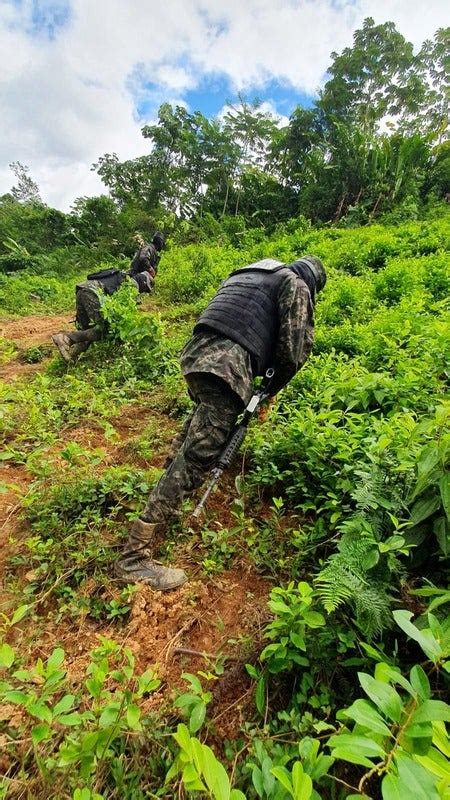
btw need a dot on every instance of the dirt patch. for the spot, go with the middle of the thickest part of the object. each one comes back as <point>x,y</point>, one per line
<point>15,370</point>
<point>14,481</point>
<point>26,332</point>
<point>202,624</point>
<point>29,331</point>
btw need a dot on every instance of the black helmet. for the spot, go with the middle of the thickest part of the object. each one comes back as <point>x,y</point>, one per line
<point>318,270</point>
<point>159,241</point>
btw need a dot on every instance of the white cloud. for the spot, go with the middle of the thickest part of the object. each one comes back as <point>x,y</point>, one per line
<point>67,100</point>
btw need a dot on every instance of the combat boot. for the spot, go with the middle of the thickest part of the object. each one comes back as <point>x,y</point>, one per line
<point>77,349</point>
<point>63,343</point>
<point>136,563</point>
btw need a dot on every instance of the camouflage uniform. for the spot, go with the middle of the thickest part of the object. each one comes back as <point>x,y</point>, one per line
<point>219,375</point>
<point>87,301</point>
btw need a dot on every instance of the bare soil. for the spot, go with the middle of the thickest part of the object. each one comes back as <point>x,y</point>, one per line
<point>26,332</point>
<point>29,331</point>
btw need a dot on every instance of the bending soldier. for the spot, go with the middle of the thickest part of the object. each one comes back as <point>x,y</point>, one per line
<point>88,318</point>
<point>262,316</point>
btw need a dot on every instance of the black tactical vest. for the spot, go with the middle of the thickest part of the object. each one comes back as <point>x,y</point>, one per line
<point>109,279</point>
<point>245,310</point>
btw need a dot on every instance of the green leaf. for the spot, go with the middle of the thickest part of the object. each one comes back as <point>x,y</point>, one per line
<point>55,659</point>
<point>215,775</point>
<point>440,738</point>
<point>64,704</point>
<point>260,695</point>
<point>441,529</point>
<point>444,488</point>
<point>75,718</point>
<point>353,756</point>
<point>297,640</point>
<point>194,681</point>
<point>40,710</point>
<point>109,715</point>
<point>420,682</point>
<point>197,717</point>
<point>423,508</point>
<point>414,781</point>
<point>186,700</point>
<point>19,698</point>
<point>257,780</point>
<point>191,779</point>
<point>431,711</point>
<point>183,738</point>
<point>314,619</point>
<point>387,674</point>
<point>425,639</point>
<point>363,744</point>
<point>384,696</point>
<point>7,655</point>
<point>391,788</point>
<point>133,717</point>
<point>301,783</point>
<point>19,614</point>
<point>283,777</point>
<point>366,715</point>
<point>436,763</point>
<point>236,794</point>
<point>40,732</point>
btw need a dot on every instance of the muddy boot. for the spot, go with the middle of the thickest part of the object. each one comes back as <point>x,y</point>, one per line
<point>137,564</point>
<point>77,349</point>
<point>62,342</point>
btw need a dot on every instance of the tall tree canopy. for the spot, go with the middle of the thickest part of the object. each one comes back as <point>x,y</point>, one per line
<point>368,143</point>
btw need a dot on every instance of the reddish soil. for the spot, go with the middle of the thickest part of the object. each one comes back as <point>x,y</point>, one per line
<point>29,331</point>
<point>26,332</point>
<point>14,480</point>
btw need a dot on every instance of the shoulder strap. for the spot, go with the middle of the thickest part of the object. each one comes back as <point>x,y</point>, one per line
<point>103,273</point>
<point>265,265</point>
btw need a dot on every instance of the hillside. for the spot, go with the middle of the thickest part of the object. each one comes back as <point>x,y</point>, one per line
<point>310,647</point>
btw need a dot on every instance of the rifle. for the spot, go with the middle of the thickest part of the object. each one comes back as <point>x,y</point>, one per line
<point>236,439</point>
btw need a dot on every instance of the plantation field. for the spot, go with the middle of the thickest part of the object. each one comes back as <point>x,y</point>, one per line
<point>308,655</point>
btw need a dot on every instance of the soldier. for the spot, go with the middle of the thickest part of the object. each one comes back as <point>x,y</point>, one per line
<point>88,318</point>
<point>262,315</point>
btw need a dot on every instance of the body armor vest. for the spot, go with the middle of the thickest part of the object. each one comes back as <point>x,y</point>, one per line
<point>245,310</point>
<point>109,279</point>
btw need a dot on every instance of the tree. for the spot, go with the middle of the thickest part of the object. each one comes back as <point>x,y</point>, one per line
<point>26,190</point>
<point>378,76</point>
<point>252,129</point>
<point>435,59</point>
<point>95,218</point>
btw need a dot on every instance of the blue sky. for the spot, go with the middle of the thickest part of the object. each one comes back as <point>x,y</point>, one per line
<point>79,78</point>
<point>214,92</point>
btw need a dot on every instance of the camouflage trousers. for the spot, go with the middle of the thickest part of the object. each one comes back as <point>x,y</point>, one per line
<point>87,308</point>
<point>88,319</point>
<point>203,437</point>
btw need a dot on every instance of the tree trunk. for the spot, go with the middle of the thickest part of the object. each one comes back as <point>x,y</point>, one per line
<point>337,216</point>
<point>375,208</point>
<point>225,203</point>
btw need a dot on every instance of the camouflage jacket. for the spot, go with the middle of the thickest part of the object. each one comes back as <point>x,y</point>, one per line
<point>146,259</point>
<point>213,353</point>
